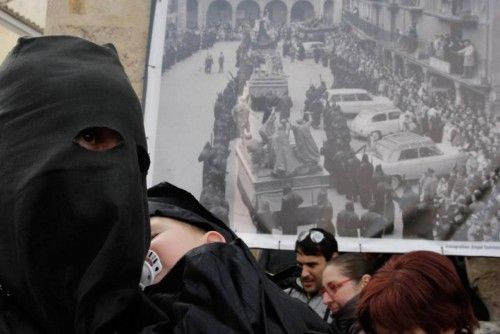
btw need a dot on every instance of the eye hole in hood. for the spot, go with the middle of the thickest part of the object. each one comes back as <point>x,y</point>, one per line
<point>98,139</point>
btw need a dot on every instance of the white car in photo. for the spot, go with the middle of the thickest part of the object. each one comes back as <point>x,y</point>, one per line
<point>310,46</point>
<point>406,156</point>
<point>353,100</point>
<point>377,121</point>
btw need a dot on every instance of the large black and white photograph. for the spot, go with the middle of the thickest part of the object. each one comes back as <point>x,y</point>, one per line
<point>250,166</point>
<point>375,120</point>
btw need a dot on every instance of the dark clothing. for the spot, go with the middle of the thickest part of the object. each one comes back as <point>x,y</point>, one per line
<point>317,55</point>
<point>345,319</point>
<point>339,163</point>
<point>301,53</point>
<point>221,63</point>
<point>352,172</point>
<point>218,288</point>
<point>74,224</point>
<point>380,195</point>
<point>408,204</point>
<point>317,110</point>
<point>377,177</point>
<point>365,183</point>
<point>288,214</point>
<point>388,210</point>
<point>347,223</point>
<point>372,225</point>
<point>325,216</point>
<point>423,222</point>
<point>436,126</point>
<point>275,261</point>
<point>208,64</point>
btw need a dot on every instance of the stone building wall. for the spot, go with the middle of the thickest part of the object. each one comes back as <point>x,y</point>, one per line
<point>124,23</point>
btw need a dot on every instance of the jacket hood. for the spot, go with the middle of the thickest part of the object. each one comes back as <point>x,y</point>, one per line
<point>167,200</point>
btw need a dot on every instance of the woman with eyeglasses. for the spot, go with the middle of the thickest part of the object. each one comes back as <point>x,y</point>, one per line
<point>416,293</point>
<point>343,279</point>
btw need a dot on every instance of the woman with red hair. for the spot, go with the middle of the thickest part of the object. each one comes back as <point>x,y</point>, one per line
<point>416,293</point>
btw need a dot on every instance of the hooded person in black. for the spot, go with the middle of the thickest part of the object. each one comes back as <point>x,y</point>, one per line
<point>74,229</point>
<point>217,287</point>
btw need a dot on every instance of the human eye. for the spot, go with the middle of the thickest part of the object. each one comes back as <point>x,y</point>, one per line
<point>98,139</point>
<point>332,286</point>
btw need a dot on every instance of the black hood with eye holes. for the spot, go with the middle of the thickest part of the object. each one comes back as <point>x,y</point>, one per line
<point>74,224</point>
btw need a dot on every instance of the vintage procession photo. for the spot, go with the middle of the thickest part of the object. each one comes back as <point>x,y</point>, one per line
<point>250,166</point>
<point>374,120</point>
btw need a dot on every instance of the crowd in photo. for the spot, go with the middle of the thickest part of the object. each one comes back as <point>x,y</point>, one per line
<point>179,46</point>
<point>449,199</point>
<point>88,248</point>
<point>459,53</point>
<point>216,151</point>
<point>224,30</point>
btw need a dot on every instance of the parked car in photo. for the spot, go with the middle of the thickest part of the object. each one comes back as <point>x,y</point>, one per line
<point>310,46</point>
<point>376,121</point>
<point>353,100</point>
<point>407,155</point>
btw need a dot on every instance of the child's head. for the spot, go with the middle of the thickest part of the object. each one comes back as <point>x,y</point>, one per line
<point>180,223</point>
<point>171,239</point>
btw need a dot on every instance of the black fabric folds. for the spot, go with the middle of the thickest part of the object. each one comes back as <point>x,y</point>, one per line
<point>74,223</point>
<point>218,288</point>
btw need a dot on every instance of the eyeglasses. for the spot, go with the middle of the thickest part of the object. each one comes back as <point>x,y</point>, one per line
<point>331,287</point>
<point>315,236</point>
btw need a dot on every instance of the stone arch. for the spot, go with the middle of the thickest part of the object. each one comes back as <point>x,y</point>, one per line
<point>192,14</point>
<point>277,12</point>
<point>328,11</point>
<point>302,10</point>
<point>247,12</point>
<point>219,11</point>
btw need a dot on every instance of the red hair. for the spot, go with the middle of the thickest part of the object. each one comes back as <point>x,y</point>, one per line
<point>416,290</point>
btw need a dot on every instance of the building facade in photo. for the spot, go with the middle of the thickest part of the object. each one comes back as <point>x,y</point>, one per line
<point>411,33</point>
<point>199,13</point>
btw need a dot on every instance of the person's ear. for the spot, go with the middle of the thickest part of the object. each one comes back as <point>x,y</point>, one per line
<point>213,236</point>
<point>364,280</point>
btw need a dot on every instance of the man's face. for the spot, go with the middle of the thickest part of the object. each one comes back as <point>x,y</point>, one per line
<point>312,270</point>
<point>171,240</point>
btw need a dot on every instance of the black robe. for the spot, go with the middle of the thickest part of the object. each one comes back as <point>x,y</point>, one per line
<point>219,288</point>
<point>346,321</point>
